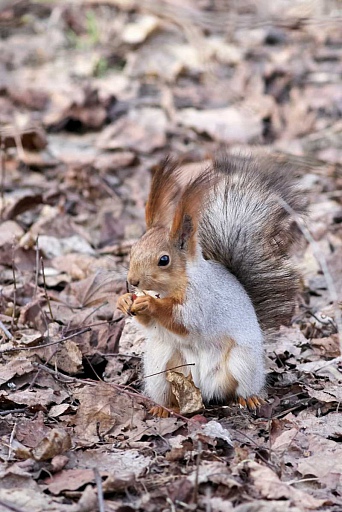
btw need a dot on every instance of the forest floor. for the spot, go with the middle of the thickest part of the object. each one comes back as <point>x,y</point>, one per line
<point>93,95</point>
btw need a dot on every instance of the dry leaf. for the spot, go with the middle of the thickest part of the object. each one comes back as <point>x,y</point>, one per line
<point>104,410</point>
<point>142,130</point>
<point>68,357</point>
<point>69,480</point>
<point>188,396</point>
<point>271,487</point>
<point>226,125</point>
<point>55,443</point>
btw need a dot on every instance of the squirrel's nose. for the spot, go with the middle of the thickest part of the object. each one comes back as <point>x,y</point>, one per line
<point>134,282</point>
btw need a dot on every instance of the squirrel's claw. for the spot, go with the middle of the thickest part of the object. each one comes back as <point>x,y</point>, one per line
<point>124,303</point>
<point>252,402</point>
<point>143,305</point>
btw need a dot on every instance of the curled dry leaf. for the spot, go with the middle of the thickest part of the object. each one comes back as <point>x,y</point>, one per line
<point>59,462</point>
<point>103,410</point>
<point>66,356</point>
<point>55,443</point>
<point>268,484</point>
<point>18,366</point>
<point>33,397</point>
<point>215,430</point>
<point>188,396</point>
<point>30,337</point>
<point>118,483</point>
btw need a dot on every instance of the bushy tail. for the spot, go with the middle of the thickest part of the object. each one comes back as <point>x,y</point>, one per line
<point>246,228</point>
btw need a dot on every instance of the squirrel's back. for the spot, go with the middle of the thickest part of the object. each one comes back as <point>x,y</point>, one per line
<point>246,227</point>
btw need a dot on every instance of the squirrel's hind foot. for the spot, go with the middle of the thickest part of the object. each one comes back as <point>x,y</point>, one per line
<point>252,402</point>
<point>160,412</point>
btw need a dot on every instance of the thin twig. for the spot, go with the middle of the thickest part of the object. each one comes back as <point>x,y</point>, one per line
<point>267,462</point>
<point>98,482</point>
<point>95,372</point>
<point>86,329</point>
<point>10,506</point>
<point>19,145</point>
<point>45,290</point>
<point>292,482</point>
<point>37,267</point>
<point>118,387</point>
<point>12,411</point>
<point>34,380</point>
<point>168,369</point>
<point>14,293</point>
<point>118,354</point>
<point>6,331</point>
<point>198,460</point>
<point>11,441</point>
<point>172,505</point>
<point>2,178</point>
<point>104,322</point>
<point>94,310</point>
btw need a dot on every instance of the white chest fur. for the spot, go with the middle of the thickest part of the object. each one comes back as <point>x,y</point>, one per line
<point>224,339</point>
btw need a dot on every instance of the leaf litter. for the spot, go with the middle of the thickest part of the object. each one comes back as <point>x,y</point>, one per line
<point>95,94</point>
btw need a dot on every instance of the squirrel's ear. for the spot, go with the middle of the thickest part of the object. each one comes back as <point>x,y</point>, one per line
<point>187,212</point>
<point>185,232</point>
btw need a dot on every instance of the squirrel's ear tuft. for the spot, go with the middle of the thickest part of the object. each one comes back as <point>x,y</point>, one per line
<point>164,193</point>
<point>186,231</point>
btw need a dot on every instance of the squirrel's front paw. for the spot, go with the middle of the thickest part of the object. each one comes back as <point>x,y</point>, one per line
<point>125,303</point>
<point>144,305</point>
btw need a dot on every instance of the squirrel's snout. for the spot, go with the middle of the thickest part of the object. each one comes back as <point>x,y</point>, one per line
<point>134,282</point>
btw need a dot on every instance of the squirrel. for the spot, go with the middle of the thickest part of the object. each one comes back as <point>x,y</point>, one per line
<point>212,275</point>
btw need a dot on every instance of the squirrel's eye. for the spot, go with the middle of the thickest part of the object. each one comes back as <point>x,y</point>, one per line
<point>163,261</point>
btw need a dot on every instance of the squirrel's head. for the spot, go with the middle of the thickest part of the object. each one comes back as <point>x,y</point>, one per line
<point>159,259</point>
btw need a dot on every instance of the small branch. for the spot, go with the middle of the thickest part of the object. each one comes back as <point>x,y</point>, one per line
<point>12,411</point>
<point>6,331</point>
<point>10,506</point>
<point>11,441</point>
<point>124,389</point>
<point>46,295</point>
<point>174,368</point>
<point>37,268</point>
<point>94,310</point>
<point>14,293</point>
<point>292,482</point>
<point>86,329</point>
<point>100,498</point>
<point>198,460</point>
<point>2,177</point>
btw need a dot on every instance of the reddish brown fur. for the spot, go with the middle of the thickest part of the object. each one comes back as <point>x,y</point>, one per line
<point>224,378</point>
<point>147,307</point>
<point>172,219</point>
<point>144,267</point>
<point>188,211</point>
<point>163,195</point>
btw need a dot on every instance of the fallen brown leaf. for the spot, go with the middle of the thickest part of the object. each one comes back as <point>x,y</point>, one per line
<point>188,396</point>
